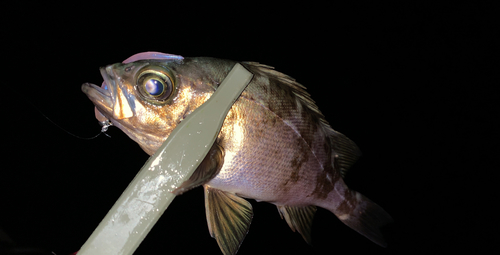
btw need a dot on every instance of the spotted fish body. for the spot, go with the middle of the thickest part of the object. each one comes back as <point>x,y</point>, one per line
<point>274,146</point>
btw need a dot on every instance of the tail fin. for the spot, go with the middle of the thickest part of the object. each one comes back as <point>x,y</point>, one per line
<point>367,218</point>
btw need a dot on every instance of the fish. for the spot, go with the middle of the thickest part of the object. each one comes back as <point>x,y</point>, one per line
<point>274,146</point>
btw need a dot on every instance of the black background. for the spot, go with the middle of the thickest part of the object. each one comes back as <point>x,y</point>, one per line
<point>414,85</point>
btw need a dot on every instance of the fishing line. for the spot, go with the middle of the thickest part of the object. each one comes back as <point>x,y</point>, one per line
<point>105,125</point>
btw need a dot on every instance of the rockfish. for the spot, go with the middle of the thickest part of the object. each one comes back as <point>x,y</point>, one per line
<point>274,146</point>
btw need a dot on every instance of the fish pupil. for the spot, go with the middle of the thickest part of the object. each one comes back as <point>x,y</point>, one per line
<point>154,87</point>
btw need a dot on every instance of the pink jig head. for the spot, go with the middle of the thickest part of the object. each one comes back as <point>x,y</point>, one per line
<point>105,123</point>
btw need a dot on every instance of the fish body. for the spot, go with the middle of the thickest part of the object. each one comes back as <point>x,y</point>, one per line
<point>274,145</point>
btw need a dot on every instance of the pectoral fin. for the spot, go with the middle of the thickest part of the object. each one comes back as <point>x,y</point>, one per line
<point>299,218</point>
<point>207,170</point>
<point>228,217</point>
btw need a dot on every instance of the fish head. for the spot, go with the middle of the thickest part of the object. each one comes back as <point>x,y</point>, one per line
<point>147,98</point>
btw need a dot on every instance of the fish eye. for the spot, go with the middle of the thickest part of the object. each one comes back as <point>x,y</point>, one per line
<point>154,85</point>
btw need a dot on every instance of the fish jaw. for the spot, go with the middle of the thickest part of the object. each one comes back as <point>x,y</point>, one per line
<point>114,101</point>
<point>101,99</point>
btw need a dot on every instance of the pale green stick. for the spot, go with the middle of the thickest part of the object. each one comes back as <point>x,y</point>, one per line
<point>149,194</point>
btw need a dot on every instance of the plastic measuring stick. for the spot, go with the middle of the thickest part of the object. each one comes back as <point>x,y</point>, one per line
<point>149,194</point>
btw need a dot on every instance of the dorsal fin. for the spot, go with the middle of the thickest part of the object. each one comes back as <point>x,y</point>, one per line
<point>297,89</point>
<point>346,152</point>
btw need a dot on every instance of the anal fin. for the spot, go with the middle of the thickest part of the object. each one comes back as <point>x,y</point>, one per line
<point>299,218</point>
<point>228,218</point>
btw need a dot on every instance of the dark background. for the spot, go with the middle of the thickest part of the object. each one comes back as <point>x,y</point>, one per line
<point>414,85</point>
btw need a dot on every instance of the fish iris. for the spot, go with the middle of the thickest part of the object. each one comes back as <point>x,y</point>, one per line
<point>154,87</point>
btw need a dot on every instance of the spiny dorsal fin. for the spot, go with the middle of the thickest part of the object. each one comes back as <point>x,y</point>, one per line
<point>297,89</point>
<point>228,217</point>
<point>345,151</point>
<point>207,170</point>
<point>299,218</point>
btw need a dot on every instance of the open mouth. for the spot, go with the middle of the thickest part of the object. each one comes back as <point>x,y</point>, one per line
<point>101,97</point>
<point>101,92</point>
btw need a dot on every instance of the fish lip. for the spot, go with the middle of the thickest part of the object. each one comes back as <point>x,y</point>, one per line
<point>101,98</point>
<point>87,87</point>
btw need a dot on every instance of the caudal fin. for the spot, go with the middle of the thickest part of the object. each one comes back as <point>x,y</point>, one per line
<point>366,218</point>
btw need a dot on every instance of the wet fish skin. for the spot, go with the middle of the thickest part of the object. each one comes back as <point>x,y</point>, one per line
<point>274,145</point>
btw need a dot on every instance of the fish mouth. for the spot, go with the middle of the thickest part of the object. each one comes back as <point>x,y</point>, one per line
<point>101,96</point>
